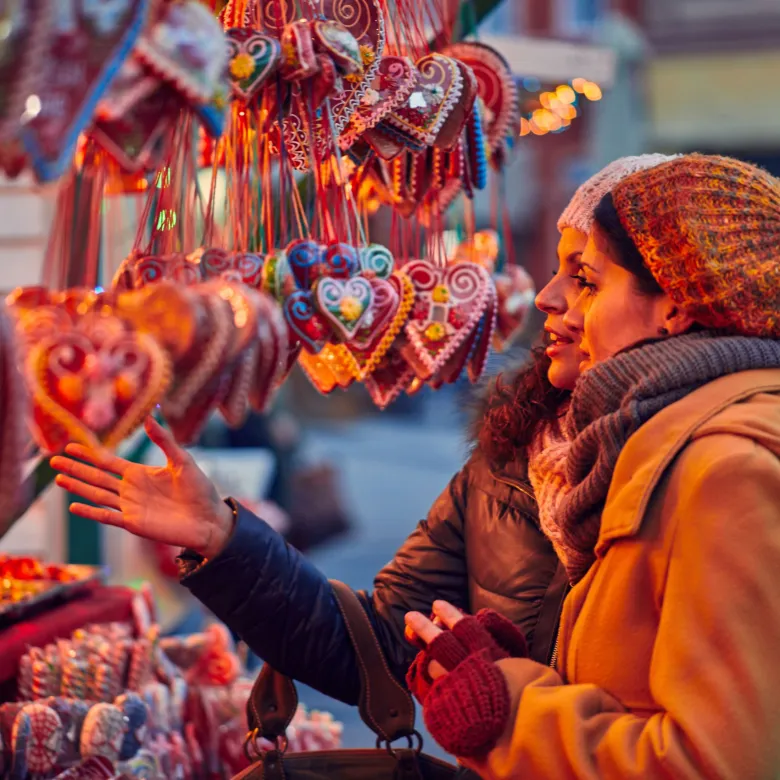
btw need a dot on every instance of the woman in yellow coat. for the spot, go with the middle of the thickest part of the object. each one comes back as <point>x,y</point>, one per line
<point>669,645</point>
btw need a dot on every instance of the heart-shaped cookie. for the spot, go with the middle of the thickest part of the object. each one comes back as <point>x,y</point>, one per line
<point>170,313</point>
<point>201,379</point>
<point>392,85</point>
<point>376,260</point>
<point>273,351</point>
<point>94,384</point>
<point>393,300</point>
<point>305,322</point>
<point>364,21</point>
<point>137,139</point>
<point>450,132</point>
<point>496,86</point>
<point>254,59</point>
<point>86,45</point>
<point>244,267</point>
<point>449,302</point>
<point>341,260</point>
<point>13,414</point>
<point>390,377</point>
<point>304,258</point>
<point>26,36</point>
<point>432,100</point>
<point>344,304</point>
<point>150,269</point>
<point>339,44</point>
<point>187,48</point>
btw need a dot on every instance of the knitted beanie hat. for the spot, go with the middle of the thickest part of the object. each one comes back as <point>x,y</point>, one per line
<point>708,229</point>
<point>579,213</point>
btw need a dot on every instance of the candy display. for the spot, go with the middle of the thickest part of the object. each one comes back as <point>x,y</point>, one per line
<point>117,700</point>
<point>26,583</point>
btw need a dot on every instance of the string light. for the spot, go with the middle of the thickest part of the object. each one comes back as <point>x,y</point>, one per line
<point>553,111</point>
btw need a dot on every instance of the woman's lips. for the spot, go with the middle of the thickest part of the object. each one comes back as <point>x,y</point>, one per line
<point>557,344</point>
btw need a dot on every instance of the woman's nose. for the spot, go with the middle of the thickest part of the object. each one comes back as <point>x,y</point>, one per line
<point>550,299</point>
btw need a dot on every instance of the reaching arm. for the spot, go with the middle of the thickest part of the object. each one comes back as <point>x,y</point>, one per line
<point>284,608</point>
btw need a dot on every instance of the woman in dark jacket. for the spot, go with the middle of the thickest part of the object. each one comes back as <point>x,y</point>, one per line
<point>483,543</point>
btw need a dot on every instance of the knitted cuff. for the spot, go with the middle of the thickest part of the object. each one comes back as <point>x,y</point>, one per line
<point>467,710</point>
<point>418,680</point>
<point>504,632</point>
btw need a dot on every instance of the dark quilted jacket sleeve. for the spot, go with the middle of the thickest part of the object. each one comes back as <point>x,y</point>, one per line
<point>284,608</point>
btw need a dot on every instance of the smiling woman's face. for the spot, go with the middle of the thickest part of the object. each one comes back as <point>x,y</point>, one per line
<point>611,313</point>
<point>554,300</point>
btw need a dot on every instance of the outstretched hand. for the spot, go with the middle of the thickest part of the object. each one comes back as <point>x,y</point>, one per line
<point>174,504</point>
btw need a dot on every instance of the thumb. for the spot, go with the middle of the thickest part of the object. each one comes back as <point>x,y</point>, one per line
<point>163,438</point>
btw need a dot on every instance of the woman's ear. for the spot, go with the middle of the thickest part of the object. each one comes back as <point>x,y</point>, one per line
<point>676,321</point>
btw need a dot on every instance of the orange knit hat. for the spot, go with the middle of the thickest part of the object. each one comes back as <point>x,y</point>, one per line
<point>708,229</point>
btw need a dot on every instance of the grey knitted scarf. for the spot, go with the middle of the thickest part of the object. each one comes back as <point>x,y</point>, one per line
<point>616,397</point>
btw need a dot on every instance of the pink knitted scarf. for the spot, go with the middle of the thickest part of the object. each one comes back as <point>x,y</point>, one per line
<point>547,456</point>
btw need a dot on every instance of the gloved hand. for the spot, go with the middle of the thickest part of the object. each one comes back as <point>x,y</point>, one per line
<point>487,630</point>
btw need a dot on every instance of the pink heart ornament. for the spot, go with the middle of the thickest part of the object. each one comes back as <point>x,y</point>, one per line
<point>188,48</point>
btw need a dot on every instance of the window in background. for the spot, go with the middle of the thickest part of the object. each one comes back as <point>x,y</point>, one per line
<point>504,19</point>
<point>578,17</point>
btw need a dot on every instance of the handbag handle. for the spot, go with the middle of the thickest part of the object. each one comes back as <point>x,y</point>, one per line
<point>385,706</point>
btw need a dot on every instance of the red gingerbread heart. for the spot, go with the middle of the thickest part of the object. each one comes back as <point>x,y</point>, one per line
<point>390,377</point>
<point>449,303</point>
<point>393,300</point>
<point>94,383</point>
<point>81,57</point>
<point>434,97</point>
<point>496,87</point>
<point>392,85</point>
<point>244,267</point>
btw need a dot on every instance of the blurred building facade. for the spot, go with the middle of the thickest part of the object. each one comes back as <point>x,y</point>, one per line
<point>713,84</point>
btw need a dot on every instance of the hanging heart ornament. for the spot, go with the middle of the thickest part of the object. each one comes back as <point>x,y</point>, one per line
<point>95,383</point>
<point>431,101</point>
<point>254,58</point>
<point>344,304</point>
<point>449,303</point>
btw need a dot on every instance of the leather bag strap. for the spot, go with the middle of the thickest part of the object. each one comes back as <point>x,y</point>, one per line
<point>386,707</point>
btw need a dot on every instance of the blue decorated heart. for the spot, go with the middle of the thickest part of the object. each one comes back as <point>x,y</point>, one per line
<point>305,260</point>
<point>305,322</point>
<point>341,260</point>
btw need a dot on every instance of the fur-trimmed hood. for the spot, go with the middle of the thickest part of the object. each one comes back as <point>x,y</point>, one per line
<point>508,410</point>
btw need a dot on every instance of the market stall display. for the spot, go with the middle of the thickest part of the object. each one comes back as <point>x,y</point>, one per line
<point>117,700</point>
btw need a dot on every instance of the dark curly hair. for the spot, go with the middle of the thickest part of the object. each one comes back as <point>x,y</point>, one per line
<point>516,404</point>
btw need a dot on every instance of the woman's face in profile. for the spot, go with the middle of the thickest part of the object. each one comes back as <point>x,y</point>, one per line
<point>555,299</point>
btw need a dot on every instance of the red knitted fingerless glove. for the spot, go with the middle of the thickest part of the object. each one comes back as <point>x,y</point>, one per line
<point>467,710</point>
<point>488,631</point>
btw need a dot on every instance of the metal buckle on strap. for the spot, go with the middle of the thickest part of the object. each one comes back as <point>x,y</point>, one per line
<point>411,739</point>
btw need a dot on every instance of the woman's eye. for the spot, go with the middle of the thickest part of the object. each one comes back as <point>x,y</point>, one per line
<point>583,283</point>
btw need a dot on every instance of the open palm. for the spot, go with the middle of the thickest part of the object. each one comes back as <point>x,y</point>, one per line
<point>174,504</point>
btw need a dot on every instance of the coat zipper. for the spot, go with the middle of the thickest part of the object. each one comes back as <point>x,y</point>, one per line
<point>554,656</point>
<point>525,491</point>
<point>515,485</point>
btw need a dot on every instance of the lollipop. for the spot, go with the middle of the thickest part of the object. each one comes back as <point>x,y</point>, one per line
<point>21,735</point>
<point>45,741</point>
<point>71,713</point>
<point>103,732</point>
<point>136,716</point>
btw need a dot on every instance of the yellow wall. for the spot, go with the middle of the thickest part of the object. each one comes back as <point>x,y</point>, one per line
<point>729,100</point>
